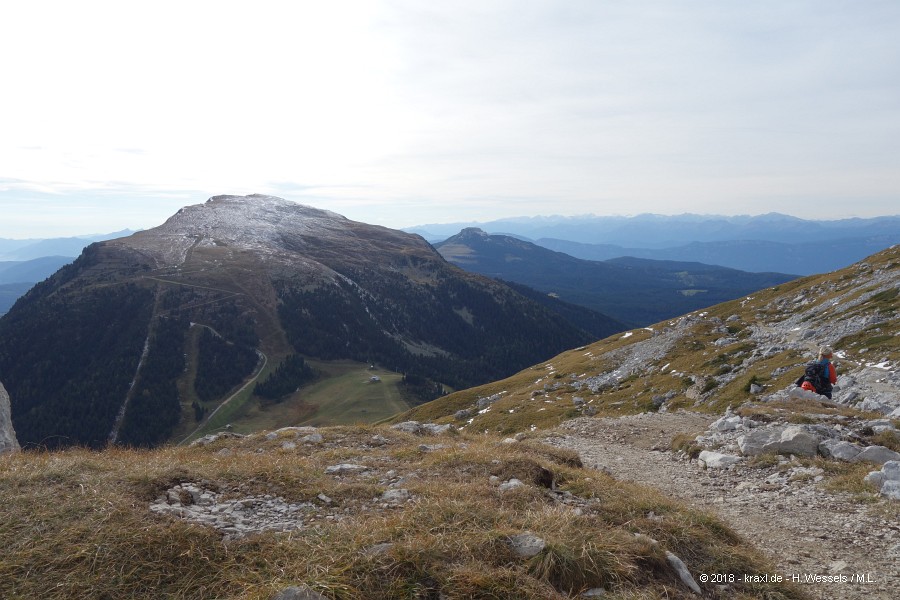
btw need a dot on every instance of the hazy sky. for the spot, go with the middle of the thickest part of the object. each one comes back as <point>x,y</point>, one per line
<point>115,114</point>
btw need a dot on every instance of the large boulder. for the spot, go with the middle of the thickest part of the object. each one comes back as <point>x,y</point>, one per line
<point>839,450</point>
<point>793,439</point>
<point>887,480</point>
<point>877,454</point>
<point>8,442</point>
<point>759,441</point>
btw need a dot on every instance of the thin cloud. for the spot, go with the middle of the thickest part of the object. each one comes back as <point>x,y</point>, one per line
<point>402,112</point>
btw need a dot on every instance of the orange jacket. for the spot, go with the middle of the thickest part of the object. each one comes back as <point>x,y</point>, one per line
<point>832,372</point>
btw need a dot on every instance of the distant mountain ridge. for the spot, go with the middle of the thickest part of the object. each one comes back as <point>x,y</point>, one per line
<point>105,348</point>
<point>24,262</point>
<point>661,231</point>
<point>632,290</point>
<point>29,249</point>
<point>772,242</point>
<point>807,258</point>
<point>17,277</point>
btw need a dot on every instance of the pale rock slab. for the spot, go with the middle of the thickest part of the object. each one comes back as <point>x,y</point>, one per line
<point>780,440</point>
<point>8,442</point>
<point>717,460</point>
<point>839,450</point>
<point>526,545</point>
<point>877,454</point>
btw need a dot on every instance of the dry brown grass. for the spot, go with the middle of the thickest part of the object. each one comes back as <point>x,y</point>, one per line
<point>687,443</point>
<point>77,524</point>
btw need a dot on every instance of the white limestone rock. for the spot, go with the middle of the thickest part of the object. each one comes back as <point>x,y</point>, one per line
<point>413,427</point>
<point>8,442</point>
<point>800,393</point>
<point>839,450</point>
<point>759,441</point>
<point>727,423</point>
<point>875,478</point>
<point>891,489</point>
<point>344,469</point>
<point>511,485</point>
<point>298,593</point>
<point>396,496</point>
<point>793,439</point>
<point>877,454</point>
<point>435,429</point>
<point>526,545</point>
<point>891,470</point>
<point>796,440</point>
<point>717,460</point>
<point>887,480</point>
<point>683,573</point>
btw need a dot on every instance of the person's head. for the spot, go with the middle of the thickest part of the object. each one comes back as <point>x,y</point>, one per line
<point>825,352</point>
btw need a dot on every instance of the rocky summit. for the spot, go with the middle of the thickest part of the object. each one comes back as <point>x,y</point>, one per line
<point>143,338</point>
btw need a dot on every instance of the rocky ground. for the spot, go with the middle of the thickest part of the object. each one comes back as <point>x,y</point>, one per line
<point>781,509</point>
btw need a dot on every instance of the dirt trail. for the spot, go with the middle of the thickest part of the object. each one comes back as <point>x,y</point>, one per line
<point>804,530</point>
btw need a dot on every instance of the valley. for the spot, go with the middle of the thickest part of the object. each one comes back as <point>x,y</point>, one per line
<point>345,395</point>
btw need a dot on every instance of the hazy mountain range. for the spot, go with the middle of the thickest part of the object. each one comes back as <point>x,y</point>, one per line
<point>771,242</point>
<point>632,290</point>
<point>26,262</point>
<point>28,249</point>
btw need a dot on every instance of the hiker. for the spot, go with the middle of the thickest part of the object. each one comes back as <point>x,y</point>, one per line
<point>820,375</point>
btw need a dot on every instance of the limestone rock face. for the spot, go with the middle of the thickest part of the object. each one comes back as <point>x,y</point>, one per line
<point>8,442</point>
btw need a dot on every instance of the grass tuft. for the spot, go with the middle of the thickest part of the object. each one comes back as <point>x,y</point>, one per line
<point>77,524</point>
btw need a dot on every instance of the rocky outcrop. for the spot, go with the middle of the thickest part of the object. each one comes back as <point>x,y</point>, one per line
<point>887,480</point>
<point>8,442</point>
<point>780,440</point>
<point>416,428</point>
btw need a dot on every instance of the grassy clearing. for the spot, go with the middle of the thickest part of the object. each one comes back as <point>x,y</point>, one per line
<point>343,395</point>
<point>77,524</point>
<point>349,396</point>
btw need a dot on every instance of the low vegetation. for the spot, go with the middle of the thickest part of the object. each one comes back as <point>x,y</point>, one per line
<point>77,524</point>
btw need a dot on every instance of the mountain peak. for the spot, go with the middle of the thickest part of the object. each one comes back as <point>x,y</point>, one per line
<point>472,232</point>
<point>251,222</point>
<point>273,279</point>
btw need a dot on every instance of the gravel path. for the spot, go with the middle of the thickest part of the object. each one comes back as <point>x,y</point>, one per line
<point>804,530</point>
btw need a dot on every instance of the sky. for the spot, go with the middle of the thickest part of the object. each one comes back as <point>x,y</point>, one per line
<point>115,114</point>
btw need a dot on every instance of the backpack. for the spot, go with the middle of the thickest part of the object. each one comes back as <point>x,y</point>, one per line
<point>816,375</point>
